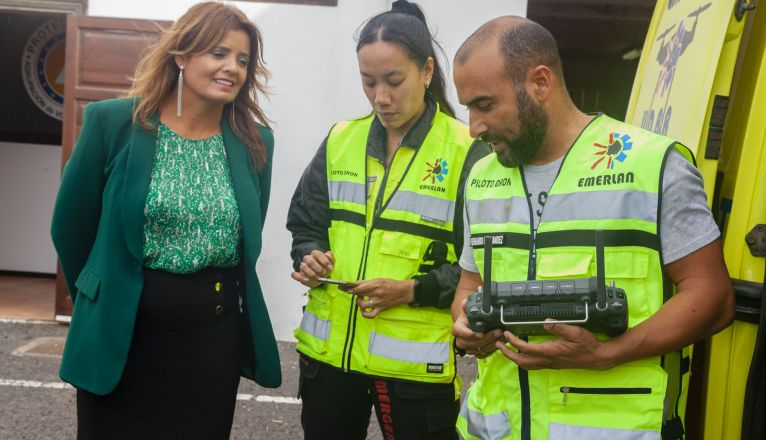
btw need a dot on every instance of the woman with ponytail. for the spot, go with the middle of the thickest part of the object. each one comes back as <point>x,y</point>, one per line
<point>377,227</point>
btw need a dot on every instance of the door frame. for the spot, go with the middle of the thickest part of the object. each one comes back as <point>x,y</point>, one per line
<point>80,88</point>
<point>73,7</point>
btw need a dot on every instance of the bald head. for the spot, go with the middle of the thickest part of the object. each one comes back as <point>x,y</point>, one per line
<point>522,43</point>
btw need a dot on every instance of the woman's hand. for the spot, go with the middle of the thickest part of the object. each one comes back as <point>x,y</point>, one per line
<point>380,294</point>
<point>316,264</point>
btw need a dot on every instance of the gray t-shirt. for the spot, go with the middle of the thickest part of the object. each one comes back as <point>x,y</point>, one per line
<point>687,223</point>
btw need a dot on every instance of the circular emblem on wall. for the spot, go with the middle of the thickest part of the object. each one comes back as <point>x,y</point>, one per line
<point>42,67</point>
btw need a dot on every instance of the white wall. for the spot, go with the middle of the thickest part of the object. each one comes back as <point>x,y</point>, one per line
<point>310,51</point>
<point>452,21</point>
<point>29,179</point>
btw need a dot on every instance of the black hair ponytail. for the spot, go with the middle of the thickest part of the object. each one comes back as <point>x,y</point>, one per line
<point>405,7</point>
<point>405,25</point>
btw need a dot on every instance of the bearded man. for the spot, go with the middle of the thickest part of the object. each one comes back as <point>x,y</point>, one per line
<point>557,176</point>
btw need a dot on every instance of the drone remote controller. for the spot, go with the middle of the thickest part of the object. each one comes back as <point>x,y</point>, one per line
<point>523,306</point>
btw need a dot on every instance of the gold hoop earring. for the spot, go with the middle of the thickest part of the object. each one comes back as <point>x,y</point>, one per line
<point>180,87</point>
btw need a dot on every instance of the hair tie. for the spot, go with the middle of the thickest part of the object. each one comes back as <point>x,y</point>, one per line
<point>405,7</point>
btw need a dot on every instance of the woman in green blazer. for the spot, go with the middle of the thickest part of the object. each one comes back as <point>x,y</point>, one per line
<point>158,226</point>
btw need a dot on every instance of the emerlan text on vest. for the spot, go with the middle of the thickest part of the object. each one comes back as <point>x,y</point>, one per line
<point>433,188</point>
<point>606,179</point>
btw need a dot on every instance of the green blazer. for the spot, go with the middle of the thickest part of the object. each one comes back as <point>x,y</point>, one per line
<point>98,227</point>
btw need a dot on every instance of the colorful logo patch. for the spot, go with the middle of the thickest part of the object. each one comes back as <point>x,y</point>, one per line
<point>616,150</point>
<point>436,171</point>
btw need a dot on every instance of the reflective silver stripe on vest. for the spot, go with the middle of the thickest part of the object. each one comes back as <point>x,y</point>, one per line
<point>597,205</point>
<point>492,427</point>
<point>428,207</point>
<point>346,192</point>
<point>318,328</point>
<point>505,210</point>
<point>409,351</point>
<point>559,431</point>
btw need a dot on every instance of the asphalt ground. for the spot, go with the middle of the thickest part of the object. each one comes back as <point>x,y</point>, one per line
<point>36,405</point>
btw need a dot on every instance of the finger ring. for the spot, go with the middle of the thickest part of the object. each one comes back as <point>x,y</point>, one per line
<point>370,305</point>
<point>480,350</point>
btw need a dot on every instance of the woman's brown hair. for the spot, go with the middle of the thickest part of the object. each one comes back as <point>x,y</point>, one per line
<point>198,31</point>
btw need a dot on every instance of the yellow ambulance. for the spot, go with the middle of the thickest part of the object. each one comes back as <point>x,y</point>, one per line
<point>702,80</point>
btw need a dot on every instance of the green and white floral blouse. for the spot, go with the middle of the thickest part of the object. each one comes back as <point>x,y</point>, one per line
<point>192,217</point>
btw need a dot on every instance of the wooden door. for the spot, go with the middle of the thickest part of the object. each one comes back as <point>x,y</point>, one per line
<point>101,55</point>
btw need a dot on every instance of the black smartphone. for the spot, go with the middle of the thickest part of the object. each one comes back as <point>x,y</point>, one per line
<point>341,283</point>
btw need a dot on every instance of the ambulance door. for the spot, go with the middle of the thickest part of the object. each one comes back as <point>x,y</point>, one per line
<point>101,55</point>
<point>702,80</point>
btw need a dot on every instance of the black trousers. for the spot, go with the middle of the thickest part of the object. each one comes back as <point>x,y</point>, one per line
<point>182,373</point>
<point>338,405</point>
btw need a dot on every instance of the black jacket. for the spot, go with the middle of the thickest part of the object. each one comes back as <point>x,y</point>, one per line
<point>308,218</point>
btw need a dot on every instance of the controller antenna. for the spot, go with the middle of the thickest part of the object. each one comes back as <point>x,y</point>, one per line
<point>600,281</point>
<point>486,298</point>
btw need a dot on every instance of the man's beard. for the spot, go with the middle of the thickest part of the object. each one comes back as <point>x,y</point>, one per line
<point>533,124</point>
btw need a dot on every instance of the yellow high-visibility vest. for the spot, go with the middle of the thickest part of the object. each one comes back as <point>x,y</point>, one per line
<point>609,180</point>
<point>387,237</point>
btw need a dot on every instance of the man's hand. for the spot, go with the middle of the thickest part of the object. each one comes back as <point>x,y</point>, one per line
<point>376,295</point>
<point>316,264</point>
<point>575,347</point>
<point>480,345</point>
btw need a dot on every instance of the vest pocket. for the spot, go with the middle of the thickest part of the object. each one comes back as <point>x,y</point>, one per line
<point>314,331</point>
<point>399,255</point>
<point>628,268</point>
<point>412,350</point>
<point>486,409</point>
<point>564,265</point>
<point>624,402</point>
<point>397,244</point>
<point>595,391</point>
<point>619,264</point>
